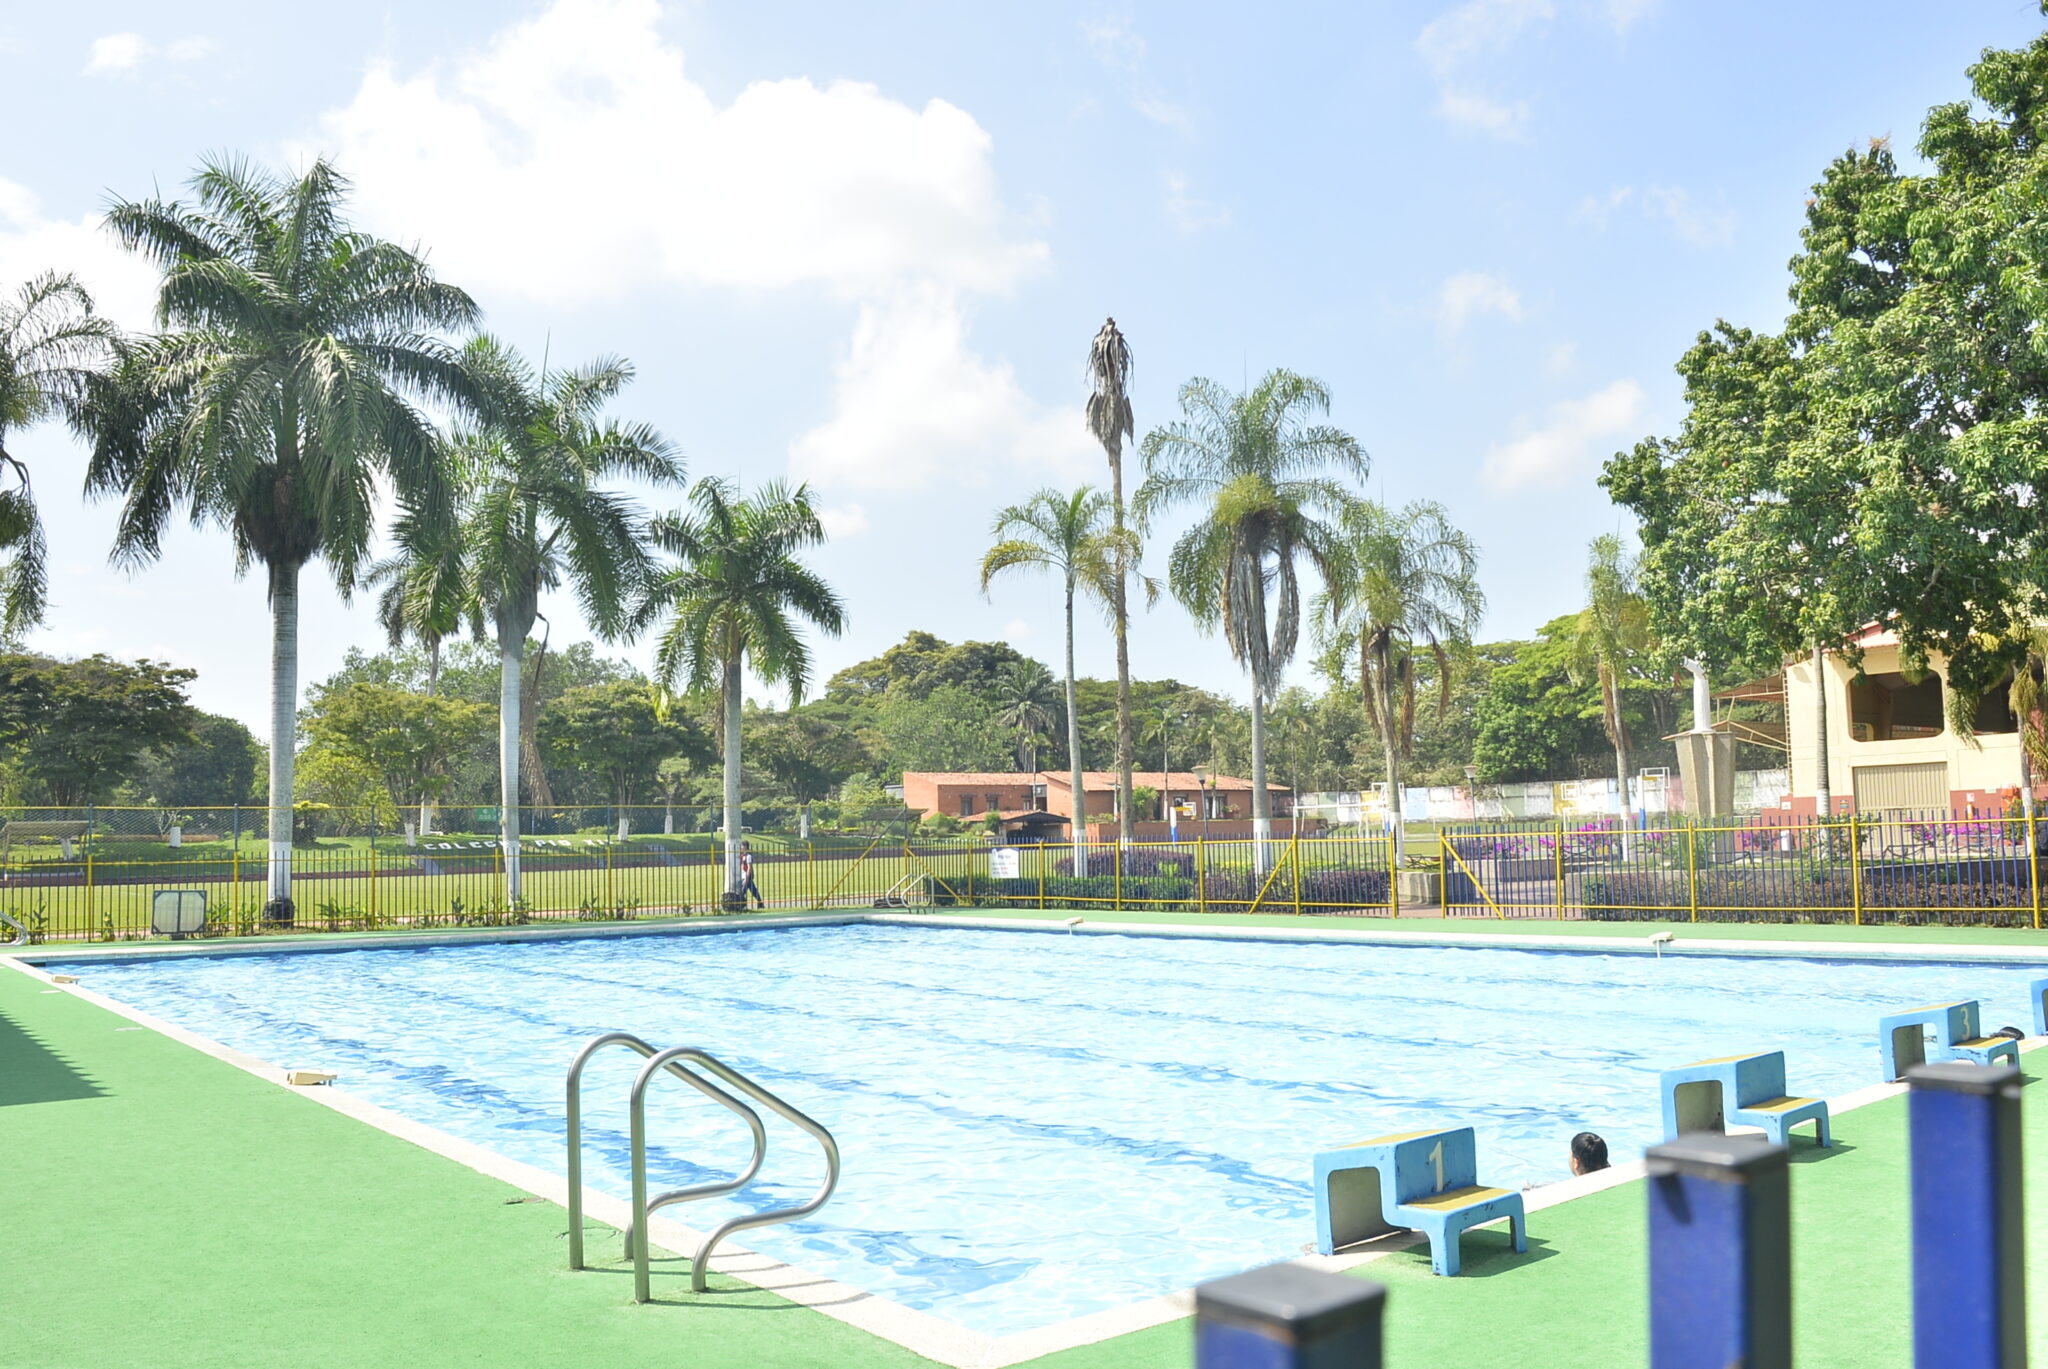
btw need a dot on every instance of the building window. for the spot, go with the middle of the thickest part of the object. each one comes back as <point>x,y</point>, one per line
<point>995,802</point>
<point>967,805</point>
<point>1887,707</point>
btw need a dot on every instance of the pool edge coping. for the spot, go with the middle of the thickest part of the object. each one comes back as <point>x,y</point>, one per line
<point>922,1333</point>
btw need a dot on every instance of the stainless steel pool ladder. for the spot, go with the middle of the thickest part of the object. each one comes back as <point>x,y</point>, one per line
<point>20,937</point>
<point>674,1061</point>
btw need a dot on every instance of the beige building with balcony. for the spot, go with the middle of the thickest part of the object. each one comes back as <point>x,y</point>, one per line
<point>1889,744</point>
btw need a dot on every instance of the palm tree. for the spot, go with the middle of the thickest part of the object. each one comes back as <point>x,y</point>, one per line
<point>284,390</point>
<point>534,519</point>
<point>1066,534</point>
<point>1265,481</point>
<point>733,601</point>
<point>1410,586</point>
<point>1022,694</point>
<point>1109,419</point>
<point>423,593</point>
<point>52,348</point>
<point>1609,639</point>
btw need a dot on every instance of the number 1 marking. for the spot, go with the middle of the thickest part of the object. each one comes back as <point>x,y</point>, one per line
<point>1436,1157</point>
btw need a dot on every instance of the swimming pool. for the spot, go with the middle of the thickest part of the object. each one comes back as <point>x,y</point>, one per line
<point>1039,1127</point>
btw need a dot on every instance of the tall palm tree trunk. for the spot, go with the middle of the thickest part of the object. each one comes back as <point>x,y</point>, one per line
<point>433,685</point>
<point>1610,699</point>
<point>511,661</point>
<point>1076,792</point>
<point>731,701</point>
<point>1124,743</point>
<point>1262,802</point>
<point>284,726</point>
<point>1382,685</point>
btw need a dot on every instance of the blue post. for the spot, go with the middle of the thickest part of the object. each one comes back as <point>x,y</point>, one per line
<point>1287,1316</point>
<point>1720,1253</point>
<point>1969,1273</point>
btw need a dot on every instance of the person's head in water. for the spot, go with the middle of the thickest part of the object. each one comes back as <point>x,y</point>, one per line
<point>1589,1153</point>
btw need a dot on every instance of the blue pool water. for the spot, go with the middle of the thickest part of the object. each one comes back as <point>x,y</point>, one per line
<point>1038,1127</point>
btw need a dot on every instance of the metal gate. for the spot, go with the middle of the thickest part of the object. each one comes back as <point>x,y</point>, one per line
<point>1892,788</point>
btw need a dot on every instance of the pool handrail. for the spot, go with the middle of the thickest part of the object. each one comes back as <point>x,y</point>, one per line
<point>574,1089</point>
<point>20,937</point>
<point>701,1265</point>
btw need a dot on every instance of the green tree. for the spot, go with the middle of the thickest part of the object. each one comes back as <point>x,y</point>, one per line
<point>1111,422</point>
<point>218,767</point>
<point>85,727</point>
<point>1268,485</point>
<point>535,518</point>
<point>340,795</point>
<point>410,741</point>
<point>284,394</point>
<point>52,348</point>
<point>1879,461</point>
<point>736,598</point>
<point>951,728</point>
<point>620,733</point>
<point>1409,587</point>
<point>1611,642</point>
<point>1064,534</point>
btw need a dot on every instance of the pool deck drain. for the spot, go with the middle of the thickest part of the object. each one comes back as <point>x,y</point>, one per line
<point>1137,1335</point>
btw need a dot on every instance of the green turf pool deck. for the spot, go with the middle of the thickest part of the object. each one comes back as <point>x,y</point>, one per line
<point>165,1209</point>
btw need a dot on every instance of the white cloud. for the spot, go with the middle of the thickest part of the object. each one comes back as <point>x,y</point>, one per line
<point>1191,213</point>
<point>1163,111</point>
<point>913,404</point>
<point>1469,294</point>
<point>846,520</point>
<point>1455,42</point>
<point>1695,221</point>
<point>1699,224</point>
<point>116,53</point>
<point>1016,630</point>
<point>1566,445</point>
<point>576,138</point>
<point>580,125</point>
<point>1561,358</point>
<point>123,285</point>
<point>1624,13</point>
<point>122,54</point>
<point>1113,42</point>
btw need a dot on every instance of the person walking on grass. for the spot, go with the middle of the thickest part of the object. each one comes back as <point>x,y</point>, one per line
<point>749,889</point>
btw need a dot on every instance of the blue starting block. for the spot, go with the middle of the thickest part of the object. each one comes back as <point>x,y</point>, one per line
<point>2037,996</point>
<point>1421,1180</point>
<point>1958,1036</point>
<point>1748,1090</point>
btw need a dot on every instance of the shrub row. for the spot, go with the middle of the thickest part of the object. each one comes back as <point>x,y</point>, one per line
<point>1140,862</point>
<point>1901,893</point>
<point>1222,892</point>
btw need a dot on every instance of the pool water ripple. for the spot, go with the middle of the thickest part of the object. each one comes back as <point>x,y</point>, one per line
<point>1036,1128</point>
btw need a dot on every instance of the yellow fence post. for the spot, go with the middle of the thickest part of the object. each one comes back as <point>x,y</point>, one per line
<point>1557,851</point>
<point>1443,870</point>
<point>1855,868</point>
<point>1393,875</point>
<point>1117,885</point>
<point>2034,867</point>
<point>1201,875</point>
<point>1297,870</point>
<point>1041,877</point>
<point>1692,869</point>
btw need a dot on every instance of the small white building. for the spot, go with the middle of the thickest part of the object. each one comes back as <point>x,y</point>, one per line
<point>1889,743</point>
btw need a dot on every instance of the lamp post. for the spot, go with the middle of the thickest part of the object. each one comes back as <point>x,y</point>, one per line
<point>1167,718</point>
<point>1202,797</point>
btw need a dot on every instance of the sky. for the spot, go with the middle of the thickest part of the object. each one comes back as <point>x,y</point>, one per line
<point>866,246</point>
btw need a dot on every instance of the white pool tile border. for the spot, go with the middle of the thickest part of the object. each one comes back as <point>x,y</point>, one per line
<point>917,1331</point>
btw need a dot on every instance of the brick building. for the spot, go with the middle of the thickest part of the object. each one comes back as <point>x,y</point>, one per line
<point>1040,805</point>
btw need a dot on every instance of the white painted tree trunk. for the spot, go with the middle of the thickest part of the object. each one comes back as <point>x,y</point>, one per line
<point>284,730</point>
<point>1080,795</point>
<point>732,776</point>
<point>1262,802</point>
<point>511,659</point>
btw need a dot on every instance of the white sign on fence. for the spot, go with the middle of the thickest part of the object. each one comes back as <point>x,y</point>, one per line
<point>1005,862</point>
